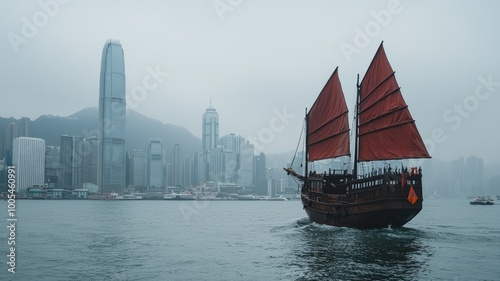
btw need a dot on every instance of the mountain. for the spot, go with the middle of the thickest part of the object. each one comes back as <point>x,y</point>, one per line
<point>140,129</point>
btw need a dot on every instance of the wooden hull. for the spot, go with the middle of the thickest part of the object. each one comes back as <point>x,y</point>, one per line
<point>379,206</point>
<point>371,218</point>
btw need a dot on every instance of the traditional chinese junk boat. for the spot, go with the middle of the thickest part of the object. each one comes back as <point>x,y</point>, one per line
<point>384,130</point>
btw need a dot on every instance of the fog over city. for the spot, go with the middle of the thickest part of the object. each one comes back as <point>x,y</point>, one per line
<point>259,63</point>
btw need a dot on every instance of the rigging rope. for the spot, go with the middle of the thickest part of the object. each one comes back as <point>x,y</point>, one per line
<point>298,144</point>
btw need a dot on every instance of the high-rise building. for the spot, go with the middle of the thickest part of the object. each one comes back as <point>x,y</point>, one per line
<point>210,129</point>
<point>187,171</point>
<point>10,135</point>
<point>245,172</point>
<point>78,161</point>
<point>52,161</point>
<point>29,159</point>
<point>176,166</point>
<point>232,145</point>
<point>259,180</point>
<point>24,127</point>
<point>111,163</point>
<point>474,176</point>
<point>89,148</point>
<point>155,165</point>
<point>137,169</point>
<point>66,164</point>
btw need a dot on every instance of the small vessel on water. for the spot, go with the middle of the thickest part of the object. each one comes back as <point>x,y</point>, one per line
<point>482,200</point>
<point>114,196</point>
<point>383,130</point>
<point>179,196</point>
<point>131,197</point>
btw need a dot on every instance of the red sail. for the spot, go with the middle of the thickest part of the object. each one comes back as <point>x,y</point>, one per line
<point>328,123</point>
<point>386,128</point>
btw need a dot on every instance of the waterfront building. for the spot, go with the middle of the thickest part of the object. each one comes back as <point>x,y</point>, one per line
<point>29,159</point>
<point>474,176</point>
<point>88,151</point>
<point>260,178</point>
<point>137,169</point>
<point>52,161</point>
<point>176,166</point>
<point>111,163</point>
<point>66,165</point>
<point>155,165</point>
<point>10,135</point>
<point>245,172</point>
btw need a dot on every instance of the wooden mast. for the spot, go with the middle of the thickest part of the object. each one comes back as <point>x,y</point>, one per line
<point>306,171</point>
<point>356,131</point>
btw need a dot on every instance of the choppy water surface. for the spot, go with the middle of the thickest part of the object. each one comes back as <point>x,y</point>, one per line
<point>245,240</point>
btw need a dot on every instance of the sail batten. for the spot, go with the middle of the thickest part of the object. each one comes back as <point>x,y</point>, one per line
<point>380,84</point>
<point>386,129</point>
<point>328,123</point>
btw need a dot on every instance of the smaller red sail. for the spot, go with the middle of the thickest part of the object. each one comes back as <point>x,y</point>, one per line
<point>386,128</point>
<point>328,123</point>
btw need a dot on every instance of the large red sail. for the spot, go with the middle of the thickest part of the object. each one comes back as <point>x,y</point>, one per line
<point>328,123</point>
<point>386,128</point>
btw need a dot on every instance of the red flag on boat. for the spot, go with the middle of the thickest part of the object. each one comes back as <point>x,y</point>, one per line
<point>412,196</point>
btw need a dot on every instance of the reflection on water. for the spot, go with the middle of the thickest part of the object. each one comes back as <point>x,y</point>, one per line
<point>333,253</point>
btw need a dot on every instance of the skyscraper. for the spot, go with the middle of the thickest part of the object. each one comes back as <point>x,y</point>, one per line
<point>155,165</point>
<point>137,169</point>
<point>29,159</point>
<point>245,173</point>
<point>259,176</point>
<point>10,135</point>
<point>176,166</point>
<point>111,163</point>
<point>88,152</point>
<point>66,164</point>
<point>210,129</point>
<point>52,164</point>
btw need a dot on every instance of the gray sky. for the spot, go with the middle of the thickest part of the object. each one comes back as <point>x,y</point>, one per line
<point>256,58</point>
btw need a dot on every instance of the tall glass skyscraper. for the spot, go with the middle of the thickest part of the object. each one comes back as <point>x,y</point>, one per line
<point>210,129</point>
<point>111,162</point>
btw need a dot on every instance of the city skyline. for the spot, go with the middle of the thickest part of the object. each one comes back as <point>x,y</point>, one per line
<point>269,58</point>
<point>446,178</point>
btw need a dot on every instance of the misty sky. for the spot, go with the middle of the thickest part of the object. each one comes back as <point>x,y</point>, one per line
<point>259,59</point>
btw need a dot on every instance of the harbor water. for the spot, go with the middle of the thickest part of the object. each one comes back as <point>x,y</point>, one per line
<point>243,240</point>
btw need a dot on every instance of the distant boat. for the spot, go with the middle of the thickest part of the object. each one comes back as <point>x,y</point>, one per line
<point>280,198</point>
<point>179,196</point>
<point>383,130</point>
<point>114,196</point>
<point>248,197</point>
<point>498,197</point>
<point>131,197</point>
<point>482,200</point>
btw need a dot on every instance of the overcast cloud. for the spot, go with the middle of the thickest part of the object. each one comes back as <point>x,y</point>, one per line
<point>259,59</point>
